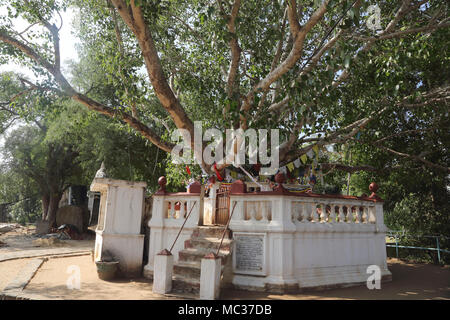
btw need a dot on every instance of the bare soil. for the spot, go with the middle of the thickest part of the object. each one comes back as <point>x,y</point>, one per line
<point>9,270</point>
<point>410,281</point>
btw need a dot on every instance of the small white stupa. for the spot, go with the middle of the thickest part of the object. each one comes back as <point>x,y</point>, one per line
<point>101,173</point>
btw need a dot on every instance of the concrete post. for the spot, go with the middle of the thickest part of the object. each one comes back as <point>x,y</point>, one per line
<point>162,272</point>
<point>210,277</point>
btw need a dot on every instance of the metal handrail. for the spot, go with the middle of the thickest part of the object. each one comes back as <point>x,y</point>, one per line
<point>225,230</point>
<point>397,246</point>
<point>179,231</point>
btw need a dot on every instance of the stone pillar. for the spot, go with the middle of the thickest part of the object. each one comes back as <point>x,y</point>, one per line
<point>210,277</point>
<point>162,272</point>
<point>119,224</point>
<point>281,276</point>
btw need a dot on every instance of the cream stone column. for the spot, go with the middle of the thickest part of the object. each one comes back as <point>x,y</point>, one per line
<point>281,246</point>
<point>156,225</point>
<point>163,269</point>
<point>119,226</point>
<point>210,277</point>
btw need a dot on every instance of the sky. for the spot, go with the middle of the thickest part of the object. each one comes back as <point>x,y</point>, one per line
<point>67,40</point>
<point>67,48</point>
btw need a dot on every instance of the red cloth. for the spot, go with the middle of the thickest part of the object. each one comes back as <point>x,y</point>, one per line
<point>219,177</point>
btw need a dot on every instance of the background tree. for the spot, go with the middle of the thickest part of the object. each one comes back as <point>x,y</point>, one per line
<point>49,165</point>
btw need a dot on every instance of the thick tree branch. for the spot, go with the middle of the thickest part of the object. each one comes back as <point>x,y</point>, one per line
<point>276,58</point>
<point>346,168</point>
<point>411,156</point>
<point>405,32</point>
<point>91,104</point>
<point>133,16</point>
<point>118,34</point>
<point>232,88</point>
<point>288,63</point>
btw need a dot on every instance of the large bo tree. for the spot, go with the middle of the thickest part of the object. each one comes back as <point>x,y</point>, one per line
<point>312,69</point>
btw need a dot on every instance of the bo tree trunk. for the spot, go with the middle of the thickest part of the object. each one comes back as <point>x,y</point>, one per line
<point>45,205</point>
<point>55,197</point>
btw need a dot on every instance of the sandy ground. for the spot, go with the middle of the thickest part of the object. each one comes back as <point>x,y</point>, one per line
<point>410,281</point>
<point>51,282</point>
<point>9,270</point>
<point>22,239</point>
<point>17,245</point>
<point>20,243</point>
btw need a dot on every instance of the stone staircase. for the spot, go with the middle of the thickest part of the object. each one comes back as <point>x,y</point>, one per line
<point>204,240</point>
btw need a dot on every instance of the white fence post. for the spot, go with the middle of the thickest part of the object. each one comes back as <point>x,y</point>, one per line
<point>162,272</point>
<point>210,277</point>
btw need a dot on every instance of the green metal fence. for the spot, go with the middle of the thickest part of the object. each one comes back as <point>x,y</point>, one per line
<point>396,235</point>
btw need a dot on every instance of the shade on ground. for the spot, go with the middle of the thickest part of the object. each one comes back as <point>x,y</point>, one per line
<point>410,281</point>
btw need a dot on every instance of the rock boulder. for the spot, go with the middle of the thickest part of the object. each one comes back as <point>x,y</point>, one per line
<point>70,215</point>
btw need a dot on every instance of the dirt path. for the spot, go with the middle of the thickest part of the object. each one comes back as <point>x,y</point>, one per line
<point>19,245</point>
<point>9,270</point>
<point>17,248</point>
<point>50,283</point>
<point>410,281</point>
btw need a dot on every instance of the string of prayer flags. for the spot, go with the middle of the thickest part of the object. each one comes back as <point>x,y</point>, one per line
<point>290,166</point>
<point>304,158</point>
<point>316,149</point>
<point>251,177</point>
<point>228,175</point>
<point>297,163</point>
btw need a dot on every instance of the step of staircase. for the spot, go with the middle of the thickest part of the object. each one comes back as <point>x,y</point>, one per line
<point>187,269</point>
<point>211,231</point>
<point>204,240</point>
<point>197,254</point>
<point>208,243</point>
<point>182,284</point>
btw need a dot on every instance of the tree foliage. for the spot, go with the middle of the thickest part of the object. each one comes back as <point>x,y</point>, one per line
<point>312,69</point>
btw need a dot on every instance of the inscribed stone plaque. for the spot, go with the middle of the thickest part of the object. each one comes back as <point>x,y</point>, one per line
<point>249,252</point>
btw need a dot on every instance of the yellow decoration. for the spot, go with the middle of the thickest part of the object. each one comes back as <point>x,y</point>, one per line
<point>316,149</point>
<point>290,166</point>
<point>304,158</point>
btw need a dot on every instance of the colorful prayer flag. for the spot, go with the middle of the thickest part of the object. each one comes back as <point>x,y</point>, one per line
<point>290,166</point>
<point>304,158</point>
<point>316,149</point>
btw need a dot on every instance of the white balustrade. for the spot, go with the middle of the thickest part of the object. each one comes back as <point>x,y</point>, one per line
<point>255,208</point>
<point>256,211</point>
<point>168,215</point>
